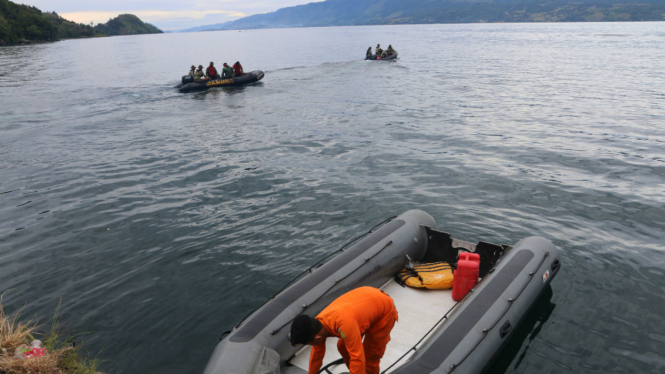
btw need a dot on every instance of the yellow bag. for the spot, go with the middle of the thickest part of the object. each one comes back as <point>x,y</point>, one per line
<point>434,276</point>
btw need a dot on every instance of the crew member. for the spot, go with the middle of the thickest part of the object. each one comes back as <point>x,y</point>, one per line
<point>390,50</point>
<point>237,70</point>
<point>192,70</point>
<point>368,54</point>
<point>227,71</point>
<point>378,50</point>
<point>365,312</point>
<point>211,72</point>
<point>198,75</point>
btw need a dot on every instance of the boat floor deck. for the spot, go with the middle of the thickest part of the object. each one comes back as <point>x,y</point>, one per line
<point>419,310</point>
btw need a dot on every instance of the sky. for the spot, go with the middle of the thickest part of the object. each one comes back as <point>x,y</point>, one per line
<point>168,15</point>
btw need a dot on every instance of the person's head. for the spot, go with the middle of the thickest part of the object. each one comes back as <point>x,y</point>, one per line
<point>237,62</point>
<point>193,67</point>
<point>378,45</point>
<point>211,63</point>
<point>390,45</point>
<point>306,330</point>
<point>200,67</point>
<point>226,65</point>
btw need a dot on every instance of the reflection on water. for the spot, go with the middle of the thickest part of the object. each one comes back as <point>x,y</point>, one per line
<point>165,217</point>
<point>518,347</point>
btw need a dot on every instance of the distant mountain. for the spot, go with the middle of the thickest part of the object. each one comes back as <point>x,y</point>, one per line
<point>23,24</point>
<point>384,12</point>
<point>217,26</point>
<point>127,24</point>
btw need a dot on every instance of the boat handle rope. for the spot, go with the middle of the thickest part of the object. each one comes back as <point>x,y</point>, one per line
<point>305,306</point>
<point>510,303</point>
<point>224,333</point>
<point>334,363</point>
<point>310,269</point>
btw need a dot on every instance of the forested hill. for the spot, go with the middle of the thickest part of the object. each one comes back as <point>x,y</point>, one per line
<point>22,23</point>
<point>26,24</point>
<point>127,24</point>
<point>381,12</point>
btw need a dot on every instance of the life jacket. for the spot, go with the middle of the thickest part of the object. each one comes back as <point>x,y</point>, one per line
<point>434,276</point>
<point>212,71</point>
<point>238,69</point>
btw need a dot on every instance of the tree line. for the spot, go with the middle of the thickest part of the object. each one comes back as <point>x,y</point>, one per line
<point>23,23</point>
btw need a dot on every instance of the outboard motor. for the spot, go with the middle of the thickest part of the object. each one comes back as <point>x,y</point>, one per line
<point>187,79</point>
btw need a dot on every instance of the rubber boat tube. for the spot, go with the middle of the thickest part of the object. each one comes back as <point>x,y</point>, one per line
<point>248,78</point>
<point>466,341</point>
<point>387,58</point>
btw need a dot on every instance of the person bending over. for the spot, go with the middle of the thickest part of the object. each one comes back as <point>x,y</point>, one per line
<point>365,312</point>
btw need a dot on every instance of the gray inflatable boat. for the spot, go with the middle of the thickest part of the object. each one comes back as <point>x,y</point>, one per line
<point>434,334</point>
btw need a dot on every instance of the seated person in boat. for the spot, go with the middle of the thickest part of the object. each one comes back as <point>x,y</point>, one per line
<point>365,312</point>
<point>368,54</point>
<point>237,70</point>
<point>378,50</point>
<point>211,72</point>
<point>227,71</point>
<point>389,51</point>
<point>199,75</point>
<point>192,70</point>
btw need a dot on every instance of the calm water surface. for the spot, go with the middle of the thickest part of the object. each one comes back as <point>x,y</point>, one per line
<point>160,219</point>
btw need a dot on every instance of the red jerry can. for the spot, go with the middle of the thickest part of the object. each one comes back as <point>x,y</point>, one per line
<point>466,275</point>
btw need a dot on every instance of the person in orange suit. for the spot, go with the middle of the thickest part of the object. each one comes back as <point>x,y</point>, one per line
<point>364,312</point>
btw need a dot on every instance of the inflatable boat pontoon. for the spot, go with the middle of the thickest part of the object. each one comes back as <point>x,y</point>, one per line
<point>434,334</point>
<point>387,58</point>
<point>187,85</point>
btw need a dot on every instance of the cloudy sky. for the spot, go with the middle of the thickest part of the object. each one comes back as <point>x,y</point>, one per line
<point>165,14</point>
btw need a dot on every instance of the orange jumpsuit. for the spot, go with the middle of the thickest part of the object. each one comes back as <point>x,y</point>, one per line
<point>364,312</point>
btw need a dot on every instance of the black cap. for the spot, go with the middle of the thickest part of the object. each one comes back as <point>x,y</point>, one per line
<point>303,329</point>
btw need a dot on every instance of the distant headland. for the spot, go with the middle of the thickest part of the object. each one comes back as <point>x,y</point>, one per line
<point>392,12</point>
<point>23,24</point>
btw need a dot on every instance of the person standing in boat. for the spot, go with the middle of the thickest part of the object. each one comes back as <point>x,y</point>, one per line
<point>365,312</point>
<point>227,71</point>
<point>211,72</point>
<point>237,70</point>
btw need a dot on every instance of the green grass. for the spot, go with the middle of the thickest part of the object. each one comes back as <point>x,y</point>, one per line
<point>63,356</point>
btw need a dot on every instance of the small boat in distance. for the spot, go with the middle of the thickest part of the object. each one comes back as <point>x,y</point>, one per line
<point>435,333</point>
<point>188,84</point>
<point>387,58</point>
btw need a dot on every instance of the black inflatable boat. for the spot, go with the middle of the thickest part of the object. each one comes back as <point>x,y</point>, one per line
<point>188,85</point>
<point>387,58</point>
<point>435,333</point>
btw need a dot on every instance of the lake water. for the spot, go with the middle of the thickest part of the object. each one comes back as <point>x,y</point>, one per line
<point>160,219</point>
